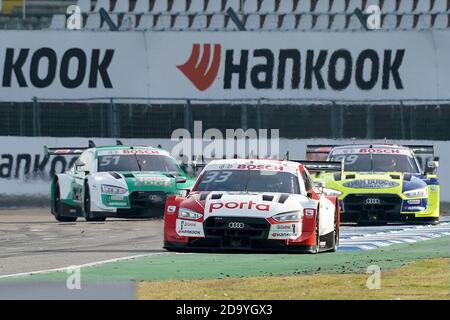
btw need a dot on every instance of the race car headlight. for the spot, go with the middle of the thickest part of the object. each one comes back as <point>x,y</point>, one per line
<point>189,214</point>
<point>112,189</point>
<point>331,192</point>
<point>417,193</point>
<point>287,217</point>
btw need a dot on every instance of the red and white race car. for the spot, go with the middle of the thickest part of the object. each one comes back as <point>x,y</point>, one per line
<point>243,204</point>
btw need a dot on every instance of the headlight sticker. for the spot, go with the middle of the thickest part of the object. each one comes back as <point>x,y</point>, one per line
<point>152,181</point>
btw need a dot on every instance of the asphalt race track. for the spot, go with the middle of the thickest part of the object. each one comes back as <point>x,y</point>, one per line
<point>31,240</point>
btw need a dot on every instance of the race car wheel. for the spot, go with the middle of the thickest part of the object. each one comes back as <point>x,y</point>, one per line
<point>317,248</point>
<point>335,233</point>
<point>87,207</point>
<point>59,208</point>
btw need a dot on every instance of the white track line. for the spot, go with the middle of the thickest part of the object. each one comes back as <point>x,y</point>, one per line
<point>350,241</point>
<point>91,264</point>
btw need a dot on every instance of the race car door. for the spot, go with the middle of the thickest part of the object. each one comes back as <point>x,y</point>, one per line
<point>83,167</point>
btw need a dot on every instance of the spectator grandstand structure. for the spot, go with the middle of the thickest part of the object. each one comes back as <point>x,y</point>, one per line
<point>160,15</point>
<point>297,119</point>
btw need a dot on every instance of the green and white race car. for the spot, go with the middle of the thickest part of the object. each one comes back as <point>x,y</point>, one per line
<point>116,181</point>
<point>381,183</point>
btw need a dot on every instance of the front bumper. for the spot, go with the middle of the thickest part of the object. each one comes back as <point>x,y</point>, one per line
<point>139,204</point>
<point>269,247</point>
<point>252,234</point>
<point>384,208</point>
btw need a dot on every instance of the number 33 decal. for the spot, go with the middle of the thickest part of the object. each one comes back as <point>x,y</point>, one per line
<point>216,176</point>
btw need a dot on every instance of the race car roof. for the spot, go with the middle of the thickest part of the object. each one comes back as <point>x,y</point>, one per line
<point>253,164</point>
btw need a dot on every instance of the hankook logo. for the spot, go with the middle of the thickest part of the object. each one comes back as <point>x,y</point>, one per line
<point>200,70</point>
<point>293,69</point>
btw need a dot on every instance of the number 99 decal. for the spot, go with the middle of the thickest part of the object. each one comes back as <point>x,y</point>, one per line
<point>349,159</point>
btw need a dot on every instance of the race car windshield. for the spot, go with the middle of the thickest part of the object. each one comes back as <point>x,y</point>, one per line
<point>137,163</point>
<point>377,163</point>
<point>249,181</point>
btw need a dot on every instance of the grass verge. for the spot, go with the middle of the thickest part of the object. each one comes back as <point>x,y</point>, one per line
<point>223,266</point>
<point>425,279</point>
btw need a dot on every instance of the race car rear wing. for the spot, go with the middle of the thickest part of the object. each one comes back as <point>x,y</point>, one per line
<point>318,152</point>
<point>321,166</point>
<point>67,151</point>
<point>422,149</point>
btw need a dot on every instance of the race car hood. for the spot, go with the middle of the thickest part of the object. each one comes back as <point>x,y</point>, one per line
<point>256,205</point>
<point>389,182</point>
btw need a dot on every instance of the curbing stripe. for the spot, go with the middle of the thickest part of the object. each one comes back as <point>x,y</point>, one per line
<point>91,264</point>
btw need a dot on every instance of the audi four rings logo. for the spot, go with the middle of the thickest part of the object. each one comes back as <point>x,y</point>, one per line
<point>236,225</point>
<point>373,201</point>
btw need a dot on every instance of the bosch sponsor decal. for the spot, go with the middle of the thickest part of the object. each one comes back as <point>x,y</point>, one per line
<point>380,151</point>
<point>189,228</point>
<point>291,68</point>
<point>261,167</point>
<point>216,206</point>
<point>394,151</point>
<point>142,151</point>
<point>268,167</point>
<point>132,152</point>
<point>371,184</point>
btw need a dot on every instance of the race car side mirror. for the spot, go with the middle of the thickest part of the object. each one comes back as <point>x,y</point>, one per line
<point>81,166</point>
<point>181,180</point>
<point>185,192</point>
<point>431,167</point>
<point>318,184</point>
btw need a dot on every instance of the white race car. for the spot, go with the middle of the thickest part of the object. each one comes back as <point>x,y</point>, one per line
<point>116,181</point>
<point>254,204</point>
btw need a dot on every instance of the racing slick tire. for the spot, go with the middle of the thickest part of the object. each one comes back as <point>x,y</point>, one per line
<point>316,248</point>
<point>335,233</point>
<point>60,211</point>
<point>88,215</point>
<point>425,221</point>
<point>171,247</point>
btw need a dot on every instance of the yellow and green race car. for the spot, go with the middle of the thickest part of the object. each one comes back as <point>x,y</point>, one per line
<point>381,183</point>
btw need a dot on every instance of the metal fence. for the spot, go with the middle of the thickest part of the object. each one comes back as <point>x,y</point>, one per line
<point>158,118</point>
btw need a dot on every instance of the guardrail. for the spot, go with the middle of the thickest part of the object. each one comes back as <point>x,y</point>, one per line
<point>296,118</point>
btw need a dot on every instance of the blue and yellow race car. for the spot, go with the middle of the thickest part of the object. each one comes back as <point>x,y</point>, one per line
<point>381,183</point>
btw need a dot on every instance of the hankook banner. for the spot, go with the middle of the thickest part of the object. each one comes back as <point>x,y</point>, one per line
<point>225,65</point>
